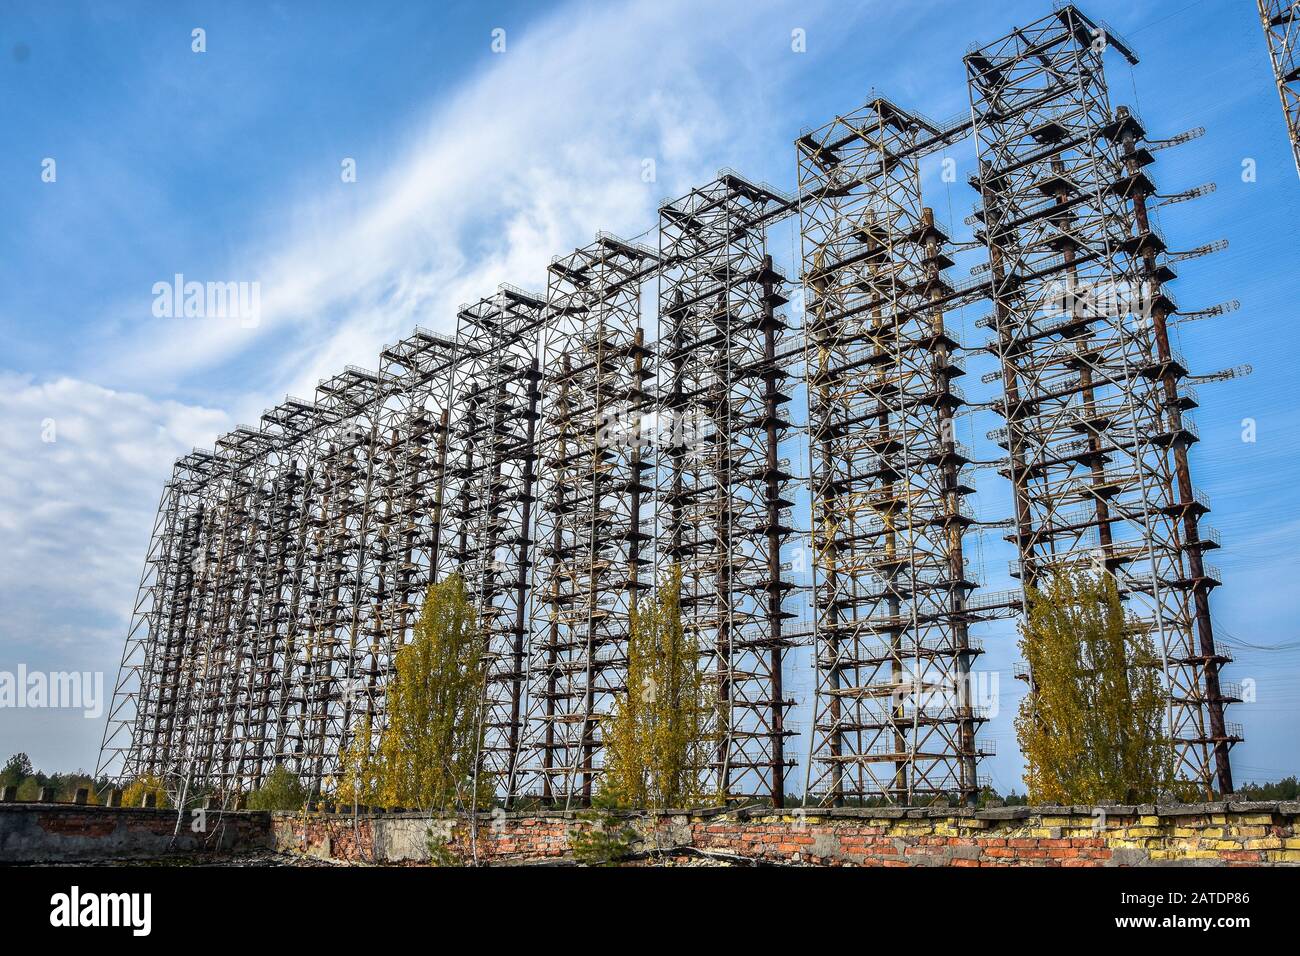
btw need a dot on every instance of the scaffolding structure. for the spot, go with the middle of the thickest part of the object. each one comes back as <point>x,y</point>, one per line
<point>894,716</point>
<point>1095,432</point>
<point>594,509</point>
<point>283,573</point>
<point>489,516</point>
<point>1281,22</point>
<point>722,511</point>
<point>561,453</point>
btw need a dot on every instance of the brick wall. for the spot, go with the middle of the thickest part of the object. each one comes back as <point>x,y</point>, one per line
<point>1197,834</point>
<point>1194,834</point>
<point>406,837</point>
<point>56,833</point>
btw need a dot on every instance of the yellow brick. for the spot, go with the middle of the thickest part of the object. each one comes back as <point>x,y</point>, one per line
<point>1257,818</point>
<point>1149,821</point>
<point>1292,843</point>
<point>1143,831</point>
<point>1251,831</point>
<point>1226,844</point>
<point>1266,843</point>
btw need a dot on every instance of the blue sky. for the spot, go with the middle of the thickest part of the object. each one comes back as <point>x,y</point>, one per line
<point>474,168</point>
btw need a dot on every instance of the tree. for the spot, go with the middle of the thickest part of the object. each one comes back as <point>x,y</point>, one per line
<point>1288,788</point>
<point>360,780</point>
<point>133,795</point>
<point>18,772</point>
<point>16,769</point>
<point>1093,726</point>
<point>427,752</point>
<point>280,790</point>
<point>66,786</point>
<point>656,749</point>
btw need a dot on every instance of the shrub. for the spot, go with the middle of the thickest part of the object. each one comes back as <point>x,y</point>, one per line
<point>133,795</point>
<point>280,790</point>
<point>610,837</point>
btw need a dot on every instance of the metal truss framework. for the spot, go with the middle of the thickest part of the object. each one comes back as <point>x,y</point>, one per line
<point>1281,22</point>
<point>894,717</point>
<point>594,498</point>
<point>282,574</point>
<point>558,460</point>
<point>494,403</point>
<point>1095,434</point>
<point>720,497</point>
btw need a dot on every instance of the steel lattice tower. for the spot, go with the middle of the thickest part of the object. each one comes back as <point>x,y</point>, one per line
<point>280,581</point>
<point>893,715</point>
<point>494,401</point>
<point>594,497</point>
<point>141,725</point>
<point>212,720</point>
<point>1281,22</point>
<point>722,514</point>
<point>1095,436</point>
<point>405,435</point>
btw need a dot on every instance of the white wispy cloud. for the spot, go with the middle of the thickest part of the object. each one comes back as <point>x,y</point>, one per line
<point>541,148</point>
<point>80,477</point>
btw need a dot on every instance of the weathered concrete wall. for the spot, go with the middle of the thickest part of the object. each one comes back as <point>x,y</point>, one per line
<point>60,833</point>
<point>1194,834</point>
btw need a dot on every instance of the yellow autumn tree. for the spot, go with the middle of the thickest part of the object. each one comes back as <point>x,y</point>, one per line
<point>426,753</point>
<point>133,795</point>
<point>1092,728</point>
<point>656,748</point>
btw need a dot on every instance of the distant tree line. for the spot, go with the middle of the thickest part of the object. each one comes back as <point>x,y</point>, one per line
<point>19,772</point>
